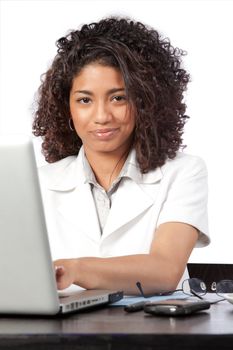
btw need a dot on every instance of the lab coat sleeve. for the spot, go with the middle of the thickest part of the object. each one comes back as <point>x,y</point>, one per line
<point>186,199</point>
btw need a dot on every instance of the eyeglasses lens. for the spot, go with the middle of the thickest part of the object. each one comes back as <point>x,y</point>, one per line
<point>224,287</point>
<point>194,285</point>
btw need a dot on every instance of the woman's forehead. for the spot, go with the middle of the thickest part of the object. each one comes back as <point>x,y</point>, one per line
<point>99,76</point>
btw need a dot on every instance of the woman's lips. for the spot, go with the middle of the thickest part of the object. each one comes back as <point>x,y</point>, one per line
<point>105,134</point>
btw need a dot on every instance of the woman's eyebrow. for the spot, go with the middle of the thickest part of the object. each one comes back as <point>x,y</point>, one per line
<point>114,90</point>
<point>85,92</point>
<point>90,93</point>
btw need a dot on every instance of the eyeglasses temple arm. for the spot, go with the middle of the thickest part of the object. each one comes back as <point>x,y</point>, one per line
<point>139,286</point>
<point>195,294</point>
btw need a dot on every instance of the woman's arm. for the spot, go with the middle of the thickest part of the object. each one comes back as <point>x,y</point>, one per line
<point>158,271</point>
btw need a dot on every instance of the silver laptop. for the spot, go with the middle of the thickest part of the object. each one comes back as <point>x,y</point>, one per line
<point>27,279</point>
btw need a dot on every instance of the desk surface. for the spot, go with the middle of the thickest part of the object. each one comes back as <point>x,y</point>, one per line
<point>113,328</point>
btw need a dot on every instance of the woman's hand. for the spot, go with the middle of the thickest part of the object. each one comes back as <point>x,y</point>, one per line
<point>65,271</point>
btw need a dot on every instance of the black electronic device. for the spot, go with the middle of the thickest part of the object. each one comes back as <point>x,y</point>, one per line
<point>174,307</point>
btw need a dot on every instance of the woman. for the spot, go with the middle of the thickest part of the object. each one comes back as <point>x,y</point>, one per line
<point>122,203</point>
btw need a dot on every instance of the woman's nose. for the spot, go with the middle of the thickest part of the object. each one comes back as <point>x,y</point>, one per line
<point>102,113</point>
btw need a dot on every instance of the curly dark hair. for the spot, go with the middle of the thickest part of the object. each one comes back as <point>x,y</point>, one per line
<point>154,79</point>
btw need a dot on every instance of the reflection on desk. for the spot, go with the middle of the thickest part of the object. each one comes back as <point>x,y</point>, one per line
<point>112,328</point>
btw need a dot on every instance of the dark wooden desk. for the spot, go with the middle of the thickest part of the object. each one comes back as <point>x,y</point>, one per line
<point>112,328</point>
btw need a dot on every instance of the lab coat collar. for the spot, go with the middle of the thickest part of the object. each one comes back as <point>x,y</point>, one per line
<point>68,173</point>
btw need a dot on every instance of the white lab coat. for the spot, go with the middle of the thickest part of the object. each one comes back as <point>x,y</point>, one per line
<point>175,192</point>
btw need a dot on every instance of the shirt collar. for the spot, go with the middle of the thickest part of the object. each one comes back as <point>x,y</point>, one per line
<point>130,170</point>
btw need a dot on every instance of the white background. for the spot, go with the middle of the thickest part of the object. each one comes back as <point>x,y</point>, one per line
<point>204,29</point>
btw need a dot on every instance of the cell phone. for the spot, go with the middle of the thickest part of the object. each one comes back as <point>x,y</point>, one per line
<point>174,307</point>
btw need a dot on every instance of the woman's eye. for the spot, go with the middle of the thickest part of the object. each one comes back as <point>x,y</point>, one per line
<point>84,100</point>
<point>119,98</point>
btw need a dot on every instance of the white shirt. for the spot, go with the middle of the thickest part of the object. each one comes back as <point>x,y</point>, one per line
<point>175,192</point>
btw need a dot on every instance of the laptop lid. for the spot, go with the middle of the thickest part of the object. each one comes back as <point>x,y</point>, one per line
<point>27,279</point>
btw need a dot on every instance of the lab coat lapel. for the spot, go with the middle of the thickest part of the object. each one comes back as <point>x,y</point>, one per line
<point>74,200</point>
<point>130,202</point>
<point>78,208</point>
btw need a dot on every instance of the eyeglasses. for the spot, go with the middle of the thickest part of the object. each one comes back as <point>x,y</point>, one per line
<point>196,287</point>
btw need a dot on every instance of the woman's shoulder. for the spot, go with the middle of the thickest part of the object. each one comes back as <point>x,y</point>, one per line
<point>183,158</point>
<point>60,175</point>
<point>184,162</point>
<point>57,166</point>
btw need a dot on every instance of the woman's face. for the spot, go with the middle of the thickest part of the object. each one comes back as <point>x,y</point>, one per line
<point>101,113</point>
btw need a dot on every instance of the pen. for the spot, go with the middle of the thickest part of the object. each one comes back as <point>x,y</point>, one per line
<point>135,307</point>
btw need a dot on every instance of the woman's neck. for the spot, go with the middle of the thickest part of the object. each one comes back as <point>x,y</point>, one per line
<point>106,166</point>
